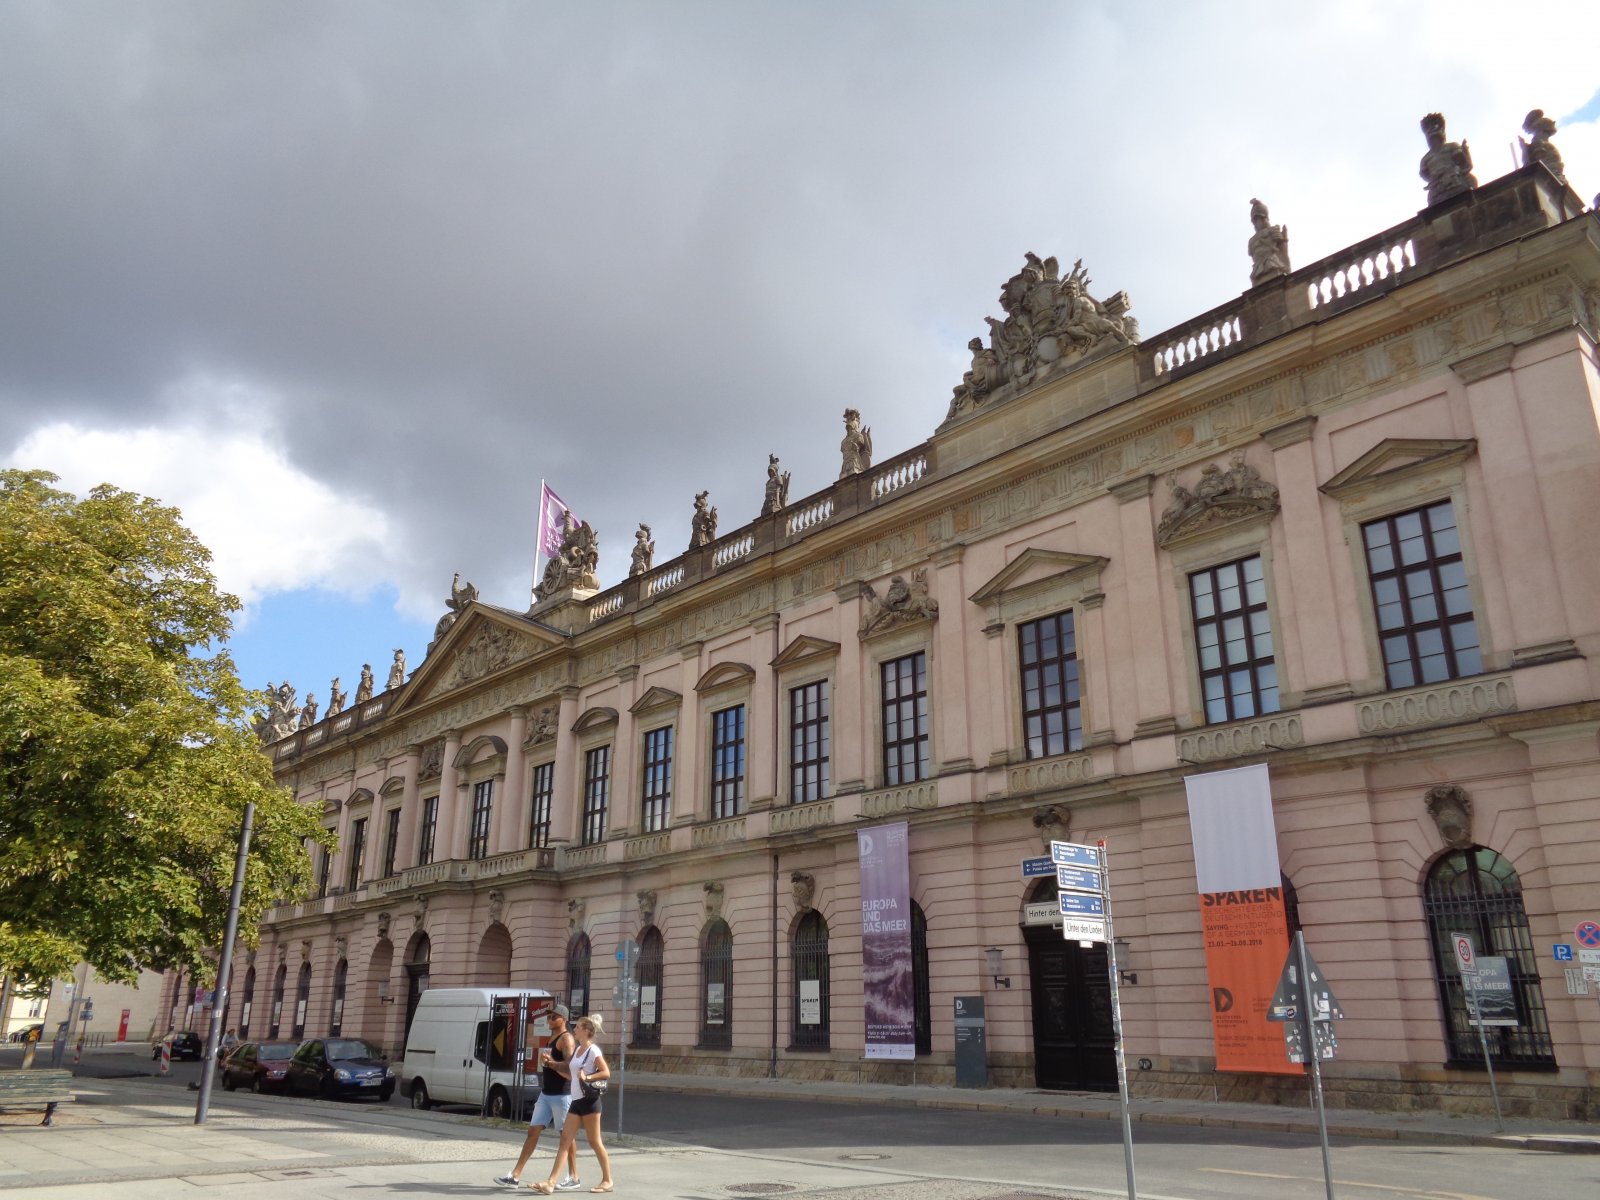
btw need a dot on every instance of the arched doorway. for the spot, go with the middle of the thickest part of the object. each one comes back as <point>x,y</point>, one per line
<point>494,957</point>
<point>418,952</point>
<point>302,999</point>
<point>341,974</point>
<point>1074,1048</point>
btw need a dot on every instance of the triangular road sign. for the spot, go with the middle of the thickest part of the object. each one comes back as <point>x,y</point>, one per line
<point>1292,994</point>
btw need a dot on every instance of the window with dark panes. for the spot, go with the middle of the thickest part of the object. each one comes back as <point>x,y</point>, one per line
<point>544,784</point>
<point>727,762</point>
<point>1052,722</point>
<point>247,1003</point>
<point>905,719</point>
<point>430,828</point>
<point>277,1000</point>
<point>356,852</point>
<point>922,1008</point>
<point>578,951</point>
<point>647,1016</point>
<point>1233,640</point>
<point>1426,627</point>
<point>657,799</point>
<point>716,986</point>
<point>810,1000</point>
<point>596,793</point>
<point>302,998</point>
<point>341,974</point>
<point>391,841</point>
<point>324,866</point>
<point>482,807</point>
<point>808,742</point>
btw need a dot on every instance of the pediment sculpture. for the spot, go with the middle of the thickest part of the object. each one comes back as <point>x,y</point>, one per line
<point>902,603</point>
<point>491,648</point>
<point>1050,322</point>
<point>1221,497</point>
<point>432,764</point>
<point>575,563</point>
<point>460,596</point>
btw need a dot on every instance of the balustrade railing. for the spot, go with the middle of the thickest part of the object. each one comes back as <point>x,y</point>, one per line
<point>1371,269</point>
<point>809,516</point>
<point>605,606</point>
<point>661,581</point>
<point>1226,334</point>
<point>893,476</point>
<point>733,550</point>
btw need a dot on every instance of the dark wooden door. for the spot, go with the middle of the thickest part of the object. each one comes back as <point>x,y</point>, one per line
<point>1073,1047</point>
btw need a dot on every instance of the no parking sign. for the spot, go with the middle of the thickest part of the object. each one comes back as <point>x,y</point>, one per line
<point>1587,933</point>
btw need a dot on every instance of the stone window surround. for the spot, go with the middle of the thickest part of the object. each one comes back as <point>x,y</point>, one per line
<point>1365,492</point>
<point>473,767</point>
<point>544,756</point>
<point>725,685</point>
<point>594,728</point>
<point>887,647</point>
<point>805,660</point>
<point>391,798</point>
<point>1075,587</point>
<point>657,709</point>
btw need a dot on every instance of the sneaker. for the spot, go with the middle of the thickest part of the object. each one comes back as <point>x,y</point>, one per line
<point>569,1184</point>
<point>508,1181</point>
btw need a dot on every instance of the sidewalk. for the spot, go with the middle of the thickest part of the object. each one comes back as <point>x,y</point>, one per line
<point>1439,1128</point>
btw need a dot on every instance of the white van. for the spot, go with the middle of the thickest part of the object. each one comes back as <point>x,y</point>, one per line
<point>453,1038</point>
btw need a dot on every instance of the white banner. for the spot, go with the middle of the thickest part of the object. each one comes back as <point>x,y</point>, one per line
<point>1235,838</point>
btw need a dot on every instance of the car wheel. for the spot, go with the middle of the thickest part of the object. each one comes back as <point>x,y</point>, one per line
<point>499,1104</point>
<point>325,1089</point>
<point>419,1094</point>
<point>385,1094</point>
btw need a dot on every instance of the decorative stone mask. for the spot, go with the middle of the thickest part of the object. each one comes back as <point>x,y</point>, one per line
<point>805,889</point>
<point>1451,810</point>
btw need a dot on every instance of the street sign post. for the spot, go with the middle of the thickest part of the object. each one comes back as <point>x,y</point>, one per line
<point>1034,867</point>
<point>1466,959</point>
<point>1078,879</point>
<point>1071,854</point>
<point>1075,904</point>
<point>1307,1007</point>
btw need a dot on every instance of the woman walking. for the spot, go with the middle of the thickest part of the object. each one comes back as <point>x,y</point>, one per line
<point>586,1066</point>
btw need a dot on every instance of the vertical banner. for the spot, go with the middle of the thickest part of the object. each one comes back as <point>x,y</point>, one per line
<point>1242,914</point>
<point>552,526</point>
<point>887,991</point>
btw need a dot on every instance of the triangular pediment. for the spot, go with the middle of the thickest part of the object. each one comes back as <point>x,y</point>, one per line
<point>1034,567</point>
<point>1395,459</point>
<point>482,641</point>
<point>728,674</point>
<point>654,698</point>
<point>805,648</point>
<point>594,718</point>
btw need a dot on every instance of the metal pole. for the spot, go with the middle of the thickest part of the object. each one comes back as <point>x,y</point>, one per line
<point>1310,1035</point>
<point>208,1065</point>
<point>1116,1023</point>
<point>622,1067</point>
<point>1469,983</point>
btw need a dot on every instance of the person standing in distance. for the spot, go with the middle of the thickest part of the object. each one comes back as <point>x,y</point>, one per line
<point>587,1065</point>
<point>554,1098</point>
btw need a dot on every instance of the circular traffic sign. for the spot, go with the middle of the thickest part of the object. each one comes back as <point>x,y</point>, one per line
<point>1587,933</point>
<point>1464,951</point>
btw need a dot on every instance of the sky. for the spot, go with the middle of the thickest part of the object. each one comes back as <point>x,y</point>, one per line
<point>344,282</point>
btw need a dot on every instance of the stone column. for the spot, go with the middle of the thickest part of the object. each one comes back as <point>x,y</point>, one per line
<point>1096,670</point>
<point>1145,589</point>
<point>955,705</point>
<point>405,854</point>
<point>690,745</point>
<point>852,727</point>
<point>450,839</point>
<point>510,829</point>
<point>764,733</point>
<point>623,818</point>
<point>566,801</point>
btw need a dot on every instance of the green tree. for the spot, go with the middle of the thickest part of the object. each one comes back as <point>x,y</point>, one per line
<point>126,757</point>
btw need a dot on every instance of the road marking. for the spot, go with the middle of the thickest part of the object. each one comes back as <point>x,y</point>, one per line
<point>1376,1187</point>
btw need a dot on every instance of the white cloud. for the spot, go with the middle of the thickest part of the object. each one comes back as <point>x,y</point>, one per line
<point>269,525</point>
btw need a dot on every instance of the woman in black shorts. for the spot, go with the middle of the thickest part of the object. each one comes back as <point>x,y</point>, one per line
<point>587,1065</point>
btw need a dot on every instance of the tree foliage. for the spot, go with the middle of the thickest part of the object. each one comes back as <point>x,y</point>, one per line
<point>126,758</point>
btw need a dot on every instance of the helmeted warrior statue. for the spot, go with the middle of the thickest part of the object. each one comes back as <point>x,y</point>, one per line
<point>703,525</point>
<point>1269,246</point>
<point>644,552</point>
<point>1446,167</point>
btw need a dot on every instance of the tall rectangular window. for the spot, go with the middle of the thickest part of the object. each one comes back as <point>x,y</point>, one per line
<point>391,842</point>
<point>324,864</point>
<point>808,742</point>
<point>430,827</point>
<point>544,785</point>
<point>1419,588</point>
<point>905,719</point>
<point>596,793</point>
<point>657,780</point>
<point>727,762</point>
<point>1051,720</point>
<point>482,808</point>
<point>1233,638</point>
<point>356,851</point>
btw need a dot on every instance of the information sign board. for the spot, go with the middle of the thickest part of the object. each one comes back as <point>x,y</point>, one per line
<point>1071,854</point>
<point>1035,867</point>
<point>1083,929</point>
<point>1078,879</point>
<point>1075,905</point>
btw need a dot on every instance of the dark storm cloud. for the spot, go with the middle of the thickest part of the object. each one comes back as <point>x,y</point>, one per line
<point>630,248</point>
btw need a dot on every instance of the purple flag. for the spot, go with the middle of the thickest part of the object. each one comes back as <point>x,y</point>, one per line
<point>887,989</point>
<point>552,526</point>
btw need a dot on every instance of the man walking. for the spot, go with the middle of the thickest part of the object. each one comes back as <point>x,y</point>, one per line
<point>554,1100</point>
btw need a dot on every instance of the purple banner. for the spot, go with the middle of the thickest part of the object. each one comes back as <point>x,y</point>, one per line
<point>887,990</point>
<point>552,508</point>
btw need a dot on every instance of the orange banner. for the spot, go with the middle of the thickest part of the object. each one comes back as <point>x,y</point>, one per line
<point>1247,937</point>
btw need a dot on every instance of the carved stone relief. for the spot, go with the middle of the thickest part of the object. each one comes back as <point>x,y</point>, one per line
<point>497,906</point>
<point>713,893</point>
<point>1052,821</point>
<point>492,647</point>
<point>1451,810</point>
<point>341,947</point>
<point>543,726</point>
<point>902,603</point>
<point>384,919</point>
<point>804,887</point>
<point>432,764</point>
<point>577,909</point>
<point>1221,497</point>
<point>647,906</point>
<point>305,950</point>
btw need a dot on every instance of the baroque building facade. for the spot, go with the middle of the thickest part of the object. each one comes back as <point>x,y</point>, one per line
<point>1343,525</point>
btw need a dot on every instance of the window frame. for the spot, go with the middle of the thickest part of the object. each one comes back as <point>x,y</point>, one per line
<point>892,717</point>
<point>1411,627</point>
<point>809,950</point>
<point>596,795</point>
<point>655,778</point>
<point>428,831</point>
<point>650,972</point>
<point>724,805</point>
<point>356,853</point>
<point>1250,613</point>
<point>482,818</point>
<point>541,802</point>
<point>716,968</point>
<point>821,764</point>
<point>1075,685</point>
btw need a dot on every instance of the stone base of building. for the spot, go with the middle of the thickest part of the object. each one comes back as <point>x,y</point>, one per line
<point>1539,1095</point>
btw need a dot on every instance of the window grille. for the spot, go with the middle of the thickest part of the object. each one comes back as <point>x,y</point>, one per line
<point>336,1007</point>
<point>648,971</point>
<point>302,1000</point>
<point>578,976</point>
<point>716,987</point>
<point>808,957</point>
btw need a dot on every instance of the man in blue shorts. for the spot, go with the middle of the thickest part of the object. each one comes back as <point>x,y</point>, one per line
<point>554,1100</point>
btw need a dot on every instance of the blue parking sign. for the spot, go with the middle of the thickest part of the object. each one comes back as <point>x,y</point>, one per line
<point>1563,952</point>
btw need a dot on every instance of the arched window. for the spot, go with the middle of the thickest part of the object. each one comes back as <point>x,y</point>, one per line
<point>302,997</point>
<point>716,986</point>
<point>647,1017</point>
<point>419,957</point>
<point>246,1002</point>
<point>277,1000</point>
<point>578,975</point>
<point>923,1020</point>
<point>1476,892</point>
<point>336,1013</point>
<point>808,958</point>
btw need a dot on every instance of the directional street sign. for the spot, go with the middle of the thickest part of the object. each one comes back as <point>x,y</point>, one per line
<point>1083,929</point>
<point>1032,867</point>
<point>1074,905</point>
<point>1071,854</point>
<point>1077,879</point>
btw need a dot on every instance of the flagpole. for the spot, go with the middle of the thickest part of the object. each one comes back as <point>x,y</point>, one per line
<point>538,537</point>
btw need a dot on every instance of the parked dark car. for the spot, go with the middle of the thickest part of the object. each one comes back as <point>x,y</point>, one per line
<point>186,1044</point>
<point>259,1066</point>
<point>332,1067</point>
<point>29,1033</point>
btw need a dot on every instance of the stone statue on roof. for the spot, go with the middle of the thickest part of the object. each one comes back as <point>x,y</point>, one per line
<point>364,688</point>
<point>1538,147</point>
<point>282,714</point>
<point>336,698</point>
<point>308,714</point>
<point>455,604</point>
<point>703,525</point>
<point>1269,246</point>
<point>777,494</point>
<point>1446,167</point>
<point>575,563</point>
<point>397,671</point>
<point>644,552</point>
<point>856,447</point>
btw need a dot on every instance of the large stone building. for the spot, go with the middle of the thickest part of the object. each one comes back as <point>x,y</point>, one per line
<point>1343,525</point>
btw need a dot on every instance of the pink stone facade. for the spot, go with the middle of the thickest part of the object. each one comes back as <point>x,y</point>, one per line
<point>1464,385</point>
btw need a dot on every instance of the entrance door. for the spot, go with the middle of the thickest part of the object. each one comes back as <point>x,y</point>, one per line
<point>1073,1047</point>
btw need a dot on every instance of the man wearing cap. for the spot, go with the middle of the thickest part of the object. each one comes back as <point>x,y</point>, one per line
<point>551,1110</point>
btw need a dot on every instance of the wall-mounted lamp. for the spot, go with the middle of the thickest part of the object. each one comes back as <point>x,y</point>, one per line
<point>383,994</point>
<point>1125,976</point>
<point>995,954</point>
